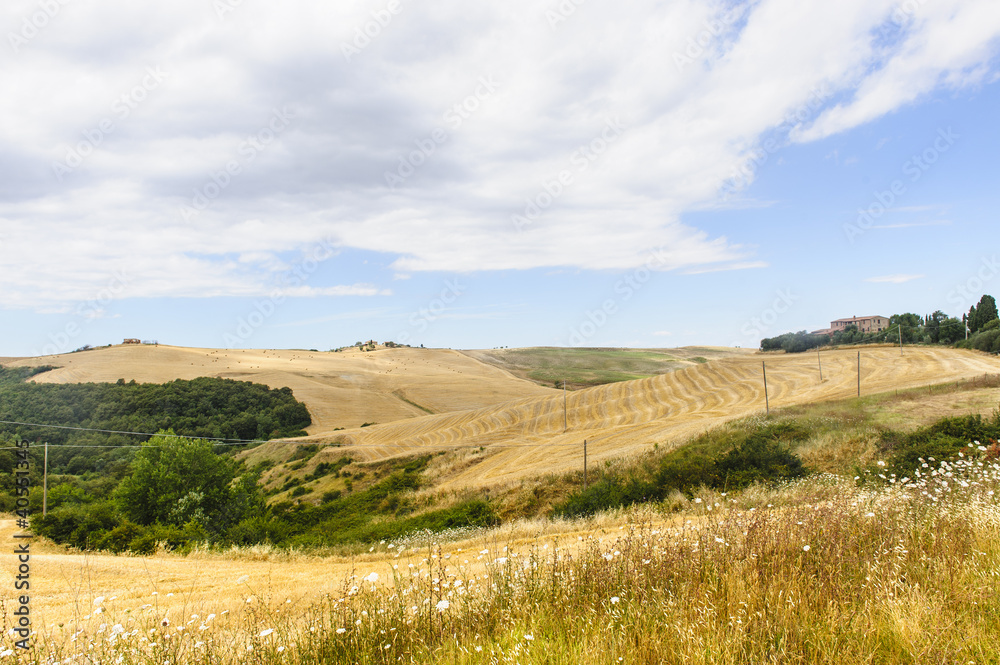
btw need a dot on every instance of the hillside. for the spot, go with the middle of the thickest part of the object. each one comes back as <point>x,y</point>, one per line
<point>585,367</point>
<point>525,437</point>
<point>345,389</point>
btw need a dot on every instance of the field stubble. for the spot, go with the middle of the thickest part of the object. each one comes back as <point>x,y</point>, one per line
<point>818,571</point>
<point>526,437</point>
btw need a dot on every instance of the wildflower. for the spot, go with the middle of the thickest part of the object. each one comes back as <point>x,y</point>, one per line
<point>341,631</point>
<point>371,577</point>
<point>442,605</point>
<point>615,600</point>
<point>266,632</point>
<point>98,601</point>
<point>806,548</point>
<point>529,637</point>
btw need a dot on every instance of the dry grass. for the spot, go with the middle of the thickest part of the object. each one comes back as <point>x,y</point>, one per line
<point>340,389</point>
<point>526,437</point>
<point>821,571</point>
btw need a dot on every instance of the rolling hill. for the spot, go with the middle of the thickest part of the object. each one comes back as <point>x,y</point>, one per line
<point>526,437</point>
<point>343,389</point>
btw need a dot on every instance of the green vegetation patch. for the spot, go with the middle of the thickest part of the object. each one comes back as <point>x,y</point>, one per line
<point>945,440</point>
<point>204,407</point>
<point>588,367</point>
<point>727,459</point>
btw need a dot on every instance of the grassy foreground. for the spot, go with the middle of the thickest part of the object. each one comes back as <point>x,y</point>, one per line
<point>820,570</point>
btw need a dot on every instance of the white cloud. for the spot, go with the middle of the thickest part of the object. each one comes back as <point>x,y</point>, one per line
<point>308,137</point>
<point>943,43</point>
<point>893,279</point>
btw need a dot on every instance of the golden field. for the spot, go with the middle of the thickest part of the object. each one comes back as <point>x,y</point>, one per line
<point>526,437</point>
<point>820,571</point>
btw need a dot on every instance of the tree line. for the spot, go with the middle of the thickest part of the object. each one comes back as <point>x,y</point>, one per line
<point>981,322</point>
<point>204,407</point>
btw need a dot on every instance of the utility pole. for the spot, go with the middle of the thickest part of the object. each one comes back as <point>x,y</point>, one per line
<point>45,482</point>
<point>767,402</point>
<point>819,359</point>
<point>900,339</point>
<point>584,464</point>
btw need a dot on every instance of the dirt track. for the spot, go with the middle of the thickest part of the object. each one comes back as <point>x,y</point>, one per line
<point>525,437</point>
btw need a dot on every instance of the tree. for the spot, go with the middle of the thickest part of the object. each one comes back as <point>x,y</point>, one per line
<point>912,326</point>
<point>176,481</point>
<point>982,313</point>
<point>950,331</point>
<point>932,326</point>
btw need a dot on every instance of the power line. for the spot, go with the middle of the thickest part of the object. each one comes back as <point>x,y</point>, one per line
<point>243,442</point>
<point>114,431</point>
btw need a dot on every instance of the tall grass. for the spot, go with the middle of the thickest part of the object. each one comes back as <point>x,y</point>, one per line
<point>820,570</point>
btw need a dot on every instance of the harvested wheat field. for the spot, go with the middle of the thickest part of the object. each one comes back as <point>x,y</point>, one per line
<point>74,591</point>
<point>526,437</point>
<point>344,389</point>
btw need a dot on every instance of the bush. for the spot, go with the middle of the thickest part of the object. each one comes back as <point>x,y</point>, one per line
<point>941,441</point>
<point>118,539</point>
<point>760,455</point>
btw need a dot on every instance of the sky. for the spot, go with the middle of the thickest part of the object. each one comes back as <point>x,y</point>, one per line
<point>248,174</point>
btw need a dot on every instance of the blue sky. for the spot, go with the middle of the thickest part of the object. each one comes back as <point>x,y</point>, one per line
<point>240,174</point>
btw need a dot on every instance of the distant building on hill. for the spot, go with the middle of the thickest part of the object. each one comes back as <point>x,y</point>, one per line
<point>865,324</point>
<point>132,340</point>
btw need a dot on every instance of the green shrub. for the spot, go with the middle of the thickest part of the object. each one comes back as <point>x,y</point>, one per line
<point>941,441</point>
<point>759,455</point>
<point>117,540</point>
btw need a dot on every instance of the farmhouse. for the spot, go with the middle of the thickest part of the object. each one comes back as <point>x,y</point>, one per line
<point>865,324</point>
<point>131,340</point>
